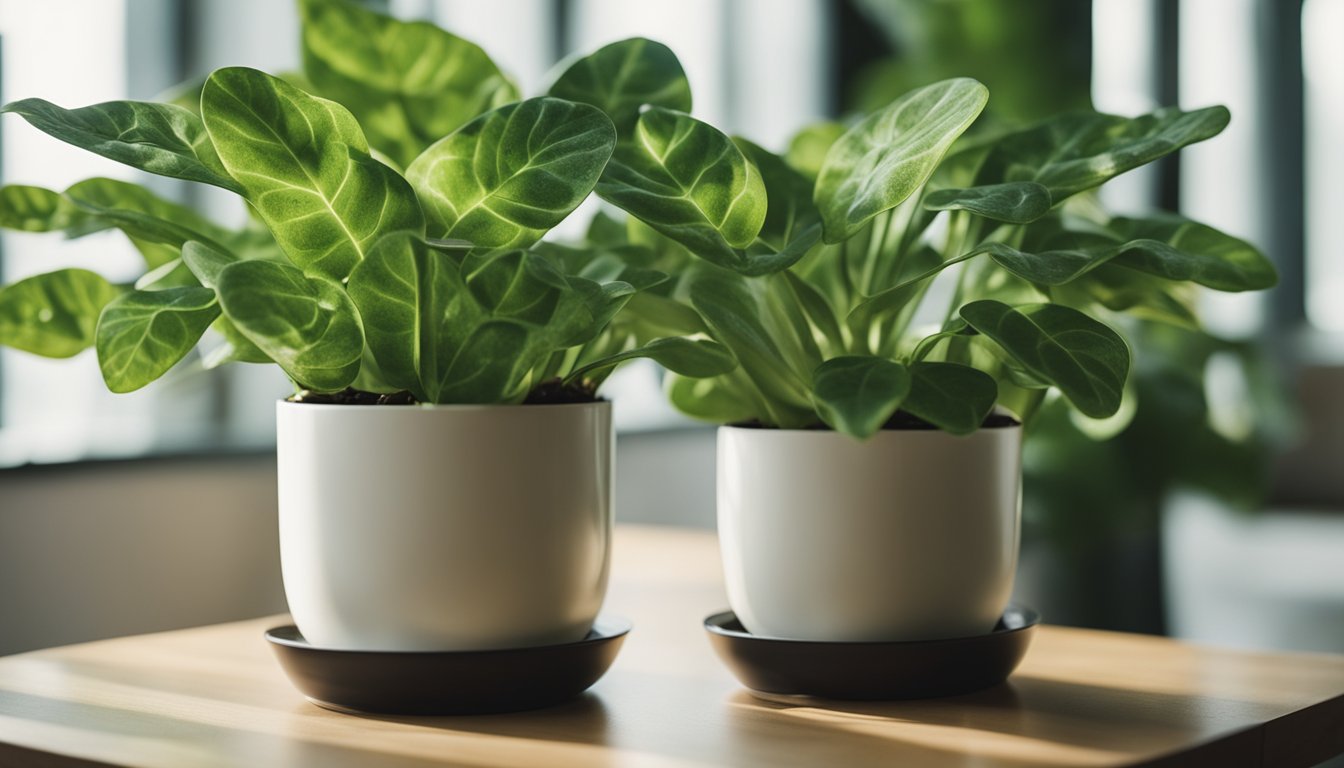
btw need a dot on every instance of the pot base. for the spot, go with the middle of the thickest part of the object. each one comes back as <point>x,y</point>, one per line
<point>873,671</point>
<point>447,682</point>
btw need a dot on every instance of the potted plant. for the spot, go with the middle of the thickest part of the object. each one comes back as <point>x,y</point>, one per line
<point>445,464</point>
<point>868,486</point>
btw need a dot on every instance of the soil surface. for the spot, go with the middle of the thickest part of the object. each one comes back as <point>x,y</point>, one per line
<point>553,392</point>
<point>556,392</point>
<point>351,396</point>
<point>903,420</point>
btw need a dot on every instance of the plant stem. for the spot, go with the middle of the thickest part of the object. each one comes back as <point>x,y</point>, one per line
<point>877,235</point>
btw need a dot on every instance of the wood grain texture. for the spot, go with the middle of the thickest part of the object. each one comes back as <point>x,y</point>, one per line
<point>214,696</point>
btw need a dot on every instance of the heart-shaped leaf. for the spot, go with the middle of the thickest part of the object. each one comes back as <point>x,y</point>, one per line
<point>689,182</point>
<point>1085,359</point>
<point>955,398</point>
<point>158,138</point>
<point>857,394</point>
<point>305,167</point>
<point>305,323</point>
<point>54,314</point>
<point>622,77</point>
<point>410,83</point>
<point>505,178</point>
<point>1016,202</point>
<point>142,334</point>
<point>883,159</point>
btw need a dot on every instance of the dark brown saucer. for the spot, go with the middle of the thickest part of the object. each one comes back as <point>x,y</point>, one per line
<point>873,671</point>
<point>447,682</point>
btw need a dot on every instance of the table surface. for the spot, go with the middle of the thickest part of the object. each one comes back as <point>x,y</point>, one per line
<point>215,696</point>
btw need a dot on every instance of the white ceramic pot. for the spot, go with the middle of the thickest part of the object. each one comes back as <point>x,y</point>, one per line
<point>911,535</point>
<point>425,528</point>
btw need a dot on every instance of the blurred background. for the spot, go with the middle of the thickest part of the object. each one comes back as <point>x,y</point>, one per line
<point>1215,513</point>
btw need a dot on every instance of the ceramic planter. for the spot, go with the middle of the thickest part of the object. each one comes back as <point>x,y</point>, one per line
<point>433,528</point>
<point>911,535</point>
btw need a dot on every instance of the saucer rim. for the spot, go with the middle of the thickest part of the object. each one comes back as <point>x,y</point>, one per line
<point>715,621</point>
<point>606,627</point>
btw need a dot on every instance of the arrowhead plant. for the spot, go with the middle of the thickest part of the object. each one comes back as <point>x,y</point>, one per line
<point>398,193</point>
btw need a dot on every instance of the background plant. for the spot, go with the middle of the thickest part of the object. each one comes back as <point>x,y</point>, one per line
<point>351,271</point>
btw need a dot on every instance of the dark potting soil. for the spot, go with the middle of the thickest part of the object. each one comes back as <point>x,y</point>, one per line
<point>904,420</point>
<point>556,392</point>
<point>553,392</point>
<point>352,396</point>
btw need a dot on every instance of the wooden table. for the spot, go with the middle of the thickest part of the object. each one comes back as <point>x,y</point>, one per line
<point>214,696</point>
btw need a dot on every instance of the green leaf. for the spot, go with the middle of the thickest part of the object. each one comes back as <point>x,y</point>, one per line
<point>622,77</point>
<point>808,148</point>
<point>1135,293</point>
<point>816,307</point>
<point>607,230</point>
<point>737,317</point>
<point>409,82</point>
<point>142,334</point>
<point>1079,151</point>
<point>172,274</point>
<point>305,167</point>
<point>1050,267</point>
<point>857,394</point>
<point>407,294</point>
<point>689,182</point>
<point>790,210</point>
<point>156,227</point>
<point>696,358</point>
<point>1017,202</point>
<point>721,400</point>
<point>54,314</point>
<point>429,334</point>
<point>902,298</point>
<point>955,398</point>
<point>487,366</point>
<point>1086,360</point>
<point>35,209</point>
<point>663,316</point>
<point>305,323</point>
<point>882,160</point>
<point>564,311</point>
<point>205,262</point>
<point>505,178</point>
<point>158,138</point>
<point>235,347</point>
<point>769,262</point>
<point>1180,249</point>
